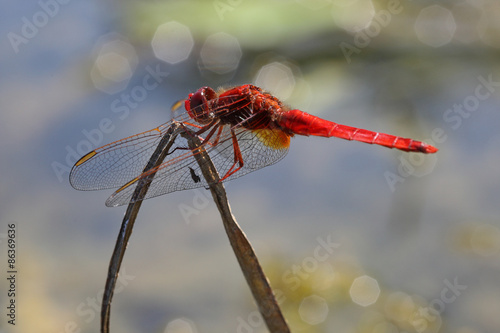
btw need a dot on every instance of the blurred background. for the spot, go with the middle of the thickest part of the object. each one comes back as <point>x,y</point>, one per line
<point>354,238</point>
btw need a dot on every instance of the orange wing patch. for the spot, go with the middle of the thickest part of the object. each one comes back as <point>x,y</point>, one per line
<point>85,158</point>
<point>275,139</point>
<point>127,185</point>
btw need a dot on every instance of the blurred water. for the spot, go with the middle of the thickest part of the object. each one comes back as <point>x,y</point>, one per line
<point>85,62</point>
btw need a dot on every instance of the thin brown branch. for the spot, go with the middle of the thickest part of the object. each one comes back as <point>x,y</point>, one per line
<point>128,223</point>
<point>256,279</point>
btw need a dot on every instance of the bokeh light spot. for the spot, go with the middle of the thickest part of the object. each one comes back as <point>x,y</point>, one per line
<point>115,63</point>
<point>485,240</point>
<point>353,15</point>
<point>399,306</point>
<point>435,26</point>
<point>114,67</point>
<point>172,42</point>
<point>181,325</point>
<point>221,53</point>
<point>276,78</point>
<point>313,310</point>
<point>364,290</point>
<point>488,26</point>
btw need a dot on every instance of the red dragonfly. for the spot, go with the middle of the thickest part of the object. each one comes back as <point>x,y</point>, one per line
<point>242,129</point>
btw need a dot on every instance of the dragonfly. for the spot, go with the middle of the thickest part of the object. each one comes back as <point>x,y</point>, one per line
<point>242,128</point>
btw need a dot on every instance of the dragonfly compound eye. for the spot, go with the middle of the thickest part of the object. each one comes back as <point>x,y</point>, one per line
<point>196,99</point>
<point>198,104</point>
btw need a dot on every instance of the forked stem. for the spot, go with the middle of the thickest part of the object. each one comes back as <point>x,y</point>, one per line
<point>256,279</point>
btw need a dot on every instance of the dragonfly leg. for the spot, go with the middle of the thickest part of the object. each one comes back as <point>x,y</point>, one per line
<point>206,127</point>
<point>217,138</point>
<point>210,134</point>
<point>238,158</point>
<point>203,129</point>
<point>193,125</point>
<point>206,139</point>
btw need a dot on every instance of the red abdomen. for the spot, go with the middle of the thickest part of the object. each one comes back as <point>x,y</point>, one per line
<point>302,123</point>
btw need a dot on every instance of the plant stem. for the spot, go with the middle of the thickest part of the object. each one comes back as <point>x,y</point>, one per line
<point>128,223</point>
<point>256,279</point>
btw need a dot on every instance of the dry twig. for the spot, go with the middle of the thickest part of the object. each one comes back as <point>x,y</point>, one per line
<point>128,223</point>
<point>256,279</point>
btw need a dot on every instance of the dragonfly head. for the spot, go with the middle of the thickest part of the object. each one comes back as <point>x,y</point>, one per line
<point>197,105</point>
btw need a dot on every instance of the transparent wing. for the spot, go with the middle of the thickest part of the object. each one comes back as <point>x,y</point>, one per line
<point>114,164</point>
<point>182,172</point>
